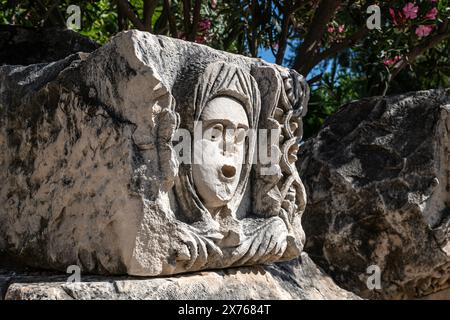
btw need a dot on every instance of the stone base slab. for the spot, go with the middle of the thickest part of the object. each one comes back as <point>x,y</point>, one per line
<point>298,279</point>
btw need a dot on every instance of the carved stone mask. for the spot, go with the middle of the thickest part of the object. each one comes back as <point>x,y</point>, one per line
<point>224,126</point>
<point>226,101</point>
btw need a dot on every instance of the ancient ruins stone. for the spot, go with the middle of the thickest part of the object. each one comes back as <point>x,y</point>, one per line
<point>25,46</point>
<point>95,170</point>
<point>269,282</point>
<point>377,178</point>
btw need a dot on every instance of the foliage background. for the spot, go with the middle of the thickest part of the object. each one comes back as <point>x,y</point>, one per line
<point>325,40</point>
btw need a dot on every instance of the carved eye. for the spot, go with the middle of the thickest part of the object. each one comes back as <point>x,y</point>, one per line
<point>240,135</point>
<point>216,132</point>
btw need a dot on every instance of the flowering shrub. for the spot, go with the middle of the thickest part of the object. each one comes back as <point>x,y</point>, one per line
<point>410,51</point>
<point>408,24</point>
<point>327,41</point>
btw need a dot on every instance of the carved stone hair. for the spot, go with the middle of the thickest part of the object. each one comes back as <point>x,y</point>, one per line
<point>218,80</point>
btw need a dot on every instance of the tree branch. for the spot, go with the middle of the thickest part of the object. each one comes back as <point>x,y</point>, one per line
<point>443,34</point>
<point>172,22</point>
<point>51,14</point>
<point>121,19</point>
<point>187,16</point>
<point>253,36</point>
<point>161,23</point>
<point>282,40</point>
<point>315,79</point>
<point>195,20</point>
<point>149,9</point>
<point>309,48</point>
<point>344,44</point>
<point>129,13</point>
<point>288,10</point>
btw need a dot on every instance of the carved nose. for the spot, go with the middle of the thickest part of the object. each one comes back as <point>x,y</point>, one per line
<point>228,171</point>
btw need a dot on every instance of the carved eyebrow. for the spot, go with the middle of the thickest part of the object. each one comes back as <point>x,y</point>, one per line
<point>227,123</point>
<point>208,122</point>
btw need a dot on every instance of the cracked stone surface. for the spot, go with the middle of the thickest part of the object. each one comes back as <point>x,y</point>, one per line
<point>377,178</point>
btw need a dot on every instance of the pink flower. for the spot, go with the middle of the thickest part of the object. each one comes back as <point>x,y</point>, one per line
<point>330,29</point>
<point>431,14</point>
<point>204,25</point>
<point>423,30</point>
<point>389,61</point>
<point>341,28</point>
<point>398,18</point>
<point>410,10</point>
<point>392,14</point>
<point>214,4</point>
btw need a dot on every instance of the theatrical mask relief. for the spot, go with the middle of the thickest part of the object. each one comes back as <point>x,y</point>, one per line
<point>206,144</point>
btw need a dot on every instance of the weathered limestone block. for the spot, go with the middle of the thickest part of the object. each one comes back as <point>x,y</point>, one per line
<point>297,279</point>
<point>377,178</point>
<point>98,160</point>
